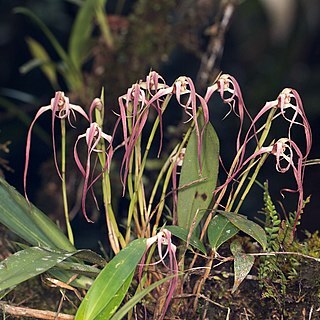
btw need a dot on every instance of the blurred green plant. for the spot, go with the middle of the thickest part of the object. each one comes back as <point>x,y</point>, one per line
<point>80,43</point>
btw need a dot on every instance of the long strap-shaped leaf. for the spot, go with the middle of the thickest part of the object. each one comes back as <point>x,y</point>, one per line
<point>28,222</point>
<point>27,264</point>
<point>111,285</point>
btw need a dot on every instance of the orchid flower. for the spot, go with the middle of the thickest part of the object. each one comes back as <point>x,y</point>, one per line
<point>93,137</point>
<point>163,238</point>
<point>135,102</point>
<point>231,95</point>
<point>283,150</point>
<point>150,93</point>
<point>60,108</point>
<point>185,86</point>
<point>288,99</point>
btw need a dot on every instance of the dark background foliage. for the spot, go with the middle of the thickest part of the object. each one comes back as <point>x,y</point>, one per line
<point>265,47</point>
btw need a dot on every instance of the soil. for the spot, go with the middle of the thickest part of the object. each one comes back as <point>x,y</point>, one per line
<point>299,300</point>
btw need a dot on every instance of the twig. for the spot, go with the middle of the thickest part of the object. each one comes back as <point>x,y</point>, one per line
<point>33,313</point>
<point>284,253</point>
<point>216,43</point>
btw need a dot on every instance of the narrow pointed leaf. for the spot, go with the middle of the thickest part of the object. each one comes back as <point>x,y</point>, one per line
<point>136,298</point>
<point>220,230</point>
<point>28,222</point>
<point>91,256</point>
<point>242,264</point>
<point>78,268</point>
<point>195,198</point>
<point>103,294</point>
<point>247,226</point>
<point>71,74</point>
<point>54,42</point>
<point>81,32</point>
<point>182,234</point>
<point>38,52</point>
<point>27,264</point>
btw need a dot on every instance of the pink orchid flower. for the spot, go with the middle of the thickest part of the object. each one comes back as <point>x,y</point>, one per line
<point>288,155</point>
<point>288,99</point>
<point>231,95</point>
<point>93,137</point>
<point>163,238</point>
<point>184,86</point>
<point>135,101</point>
<point>151,93</point>
<point>60,108</point>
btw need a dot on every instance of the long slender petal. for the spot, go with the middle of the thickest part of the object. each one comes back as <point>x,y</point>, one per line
<point>28,146</point>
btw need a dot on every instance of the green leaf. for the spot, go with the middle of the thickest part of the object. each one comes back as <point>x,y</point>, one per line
<point>111,308</point>
<point>28,222</point>
<point>54,42</point>
<point>28,263</point>
<point>242,264</point>
<point>71,74</point>
<point>46,65</point>
<point>108,288</point>
<point>195,197</point>
<point>81,33</point>
<point>247,226</point>
<point>91,256</point>
<point>182,234</point>
<point>136,298</point>
<point>78,268</point>
<point>82,281</point>
<point>220,230</point>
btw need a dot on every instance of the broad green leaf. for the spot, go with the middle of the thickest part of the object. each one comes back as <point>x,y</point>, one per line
<point>28,263</point>
<point>195,197</point>
<point>111,308</point>
<point>220,230</point>
<point>182,234</point>
<point>81,33</point>
<point>28,222</point>
<point>107,286</point>
<point>242,264</point>
<point>247,226</point>
<point>136,298</point>
<point>39,53</point>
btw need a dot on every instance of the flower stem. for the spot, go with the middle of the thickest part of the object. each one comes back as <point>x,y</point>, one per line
<point>261,141</point>
<point>63,182</point>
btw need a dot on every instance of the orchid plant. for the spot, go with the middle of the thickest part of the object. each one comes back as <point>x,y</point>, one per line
<point>186,183</point>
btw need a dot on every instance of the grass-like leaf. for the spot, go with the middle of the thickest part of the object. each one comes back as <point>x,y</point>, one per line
<point>47,66</point>
<point>81,33</point>
<point>28,222</point>
<point>137,297</point>
<point>70,71</point>
<point>112,283</point>
<point>195,198</point>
